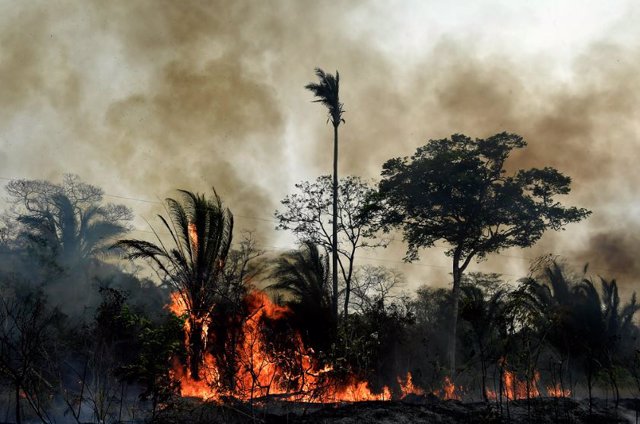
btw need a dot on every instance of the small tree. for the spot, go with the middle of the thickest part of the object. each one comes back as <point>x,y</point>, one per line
<point>307,214</point>
<point>28,329</point>
<point>201,231</point>
<point>375,284</point>
<point>457,190</point>
<point>482,304</point>
<point>303,275</point>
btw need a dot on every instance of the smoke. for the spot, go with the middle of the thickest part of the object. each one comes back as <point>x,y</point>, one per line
<point>144,97</point>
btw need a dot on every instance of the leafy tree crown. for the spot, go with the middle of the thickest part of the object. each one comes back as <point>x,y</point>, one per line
<point>457,190</point>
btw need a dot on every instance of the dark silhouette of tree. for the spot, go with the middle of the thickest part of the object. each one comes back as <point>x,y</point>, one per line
<point>303,275</point>
<point>28,328</point>
<point>581,323</point>
<point>607,329</point>
<point>482,311</point>
<point>327,93</point>
<point>306,213</point>
<point>66,223</point>
<point>201,232</point>
<point>457,190</point>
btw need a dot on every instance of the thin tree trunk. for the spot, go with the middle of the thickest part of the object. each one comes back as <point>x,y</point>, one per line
<point>347,283</point>
<point>18,415</point>
<point>483,365</point>
<point>347,292</point>
<point>334,241</point>
<point>589,386</point>
<point>455,297</point>
<point>614,386</point>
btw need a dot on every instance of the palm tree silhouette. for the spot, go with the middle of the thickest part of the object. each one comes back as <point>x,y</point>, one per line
<point>482,313</point>
<point>201,232</point>
<point>582,323</point>
<point>303,275</point>
<point>610,327</point>
<point>70,234</point>
<point>327,93</point>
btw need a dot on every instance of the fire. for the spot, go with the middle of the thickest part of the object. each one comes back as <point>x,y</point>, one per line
<point>407,387</point>
<point>197,388</point>
<point>193,236</point>
<point>514,388</point>
<point>558,391</point>
<point>295,374</point>
<point>449,390</point>
<point>177,306</point>
<point>261,370</point>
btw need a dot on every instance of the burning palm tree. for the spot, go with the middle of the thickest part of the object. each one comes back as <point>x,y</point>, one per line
<point>303,275</point>
<point>201,232</point>
<point>327,93</point>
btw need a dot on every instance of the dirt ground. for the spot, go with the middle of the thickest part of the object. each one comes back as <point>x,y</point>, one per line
<point>418,410</point>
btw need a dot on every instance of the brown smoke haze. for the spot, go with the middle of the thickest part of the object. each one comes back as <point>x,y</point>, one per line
<point>143,97</point>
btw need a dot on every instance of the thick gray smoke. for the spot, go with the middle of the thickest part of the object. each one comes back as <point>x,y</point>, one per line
<point>144,97</point>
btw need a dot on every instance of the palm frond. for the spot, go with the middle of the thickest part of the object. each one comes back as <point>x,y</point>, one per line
<point>327,93</point>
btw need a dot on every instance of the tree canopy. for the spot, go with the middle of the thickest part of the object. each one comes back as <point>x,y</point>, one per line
<point>307,213</point>
<point>67,222</point>
<point>457,190</point>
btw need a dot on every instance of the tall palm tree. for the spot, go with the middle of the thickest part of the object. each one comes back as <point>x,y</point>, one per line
<point>327,93</point>
<point>201,231</point>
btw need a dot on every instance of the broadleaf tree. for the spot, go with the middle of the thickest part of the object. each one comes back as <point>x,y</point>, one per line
<point>457,190</point>
<point>307,214</point>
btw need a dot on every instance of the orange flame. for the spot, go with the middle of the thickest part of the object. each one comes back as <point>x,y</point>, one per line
<point>515,389</point>
<point>558,391</point>
<point>449,390</point>
<point>193,236</point>
<point>294,375</point>
<point>408,388</point>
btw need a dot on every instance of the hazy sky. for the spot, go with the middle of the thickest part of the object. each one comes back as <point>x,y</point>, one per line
<point>142,97</point>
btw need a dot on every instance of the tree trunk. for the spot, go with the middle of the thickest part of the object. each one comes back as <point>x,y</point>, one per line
<point>196,348</point>
<point>347,291</point>
<point>334,240</point>
<point>589,386</point>
<point>483,365</point>
<point>347,285</point>
<point>18,415</point>
<point>455,297</point>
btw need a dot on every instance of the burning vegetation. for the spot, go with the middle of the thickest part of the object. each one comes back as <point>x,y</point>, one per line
<point>237,328</point>
<point>223,341</point>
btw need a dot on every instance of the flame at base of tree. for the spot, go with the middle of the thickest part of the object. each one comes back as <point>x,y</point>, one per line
<point>558,391</point>
<point>264,369</point>
<point>514,388</point>
<point>407,387</point>
<point>449,390</point>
